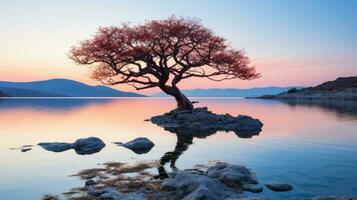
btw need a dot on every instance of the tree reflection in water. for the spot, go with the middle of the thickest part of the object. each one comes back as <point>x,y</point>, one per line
<point>184,140</point>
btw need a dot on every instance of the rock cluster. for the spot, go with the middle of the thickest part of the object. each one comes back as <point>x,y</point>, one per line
<point>202,120</point>
<point>217,180</point>
<point>82,146</point>
<point>186,185</point>
<point>220,181</point>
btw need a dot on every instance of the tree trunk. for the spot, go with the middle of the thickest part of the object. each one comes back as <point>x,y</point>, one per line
<point>183,103</point>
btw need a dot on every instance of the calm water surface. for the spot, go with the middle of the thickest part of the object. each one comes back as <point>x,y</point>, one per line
<point>313,147</point>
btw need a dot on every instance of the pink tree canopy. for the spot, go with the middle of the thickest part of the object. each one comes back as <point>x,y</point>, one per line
<point>161,53</point>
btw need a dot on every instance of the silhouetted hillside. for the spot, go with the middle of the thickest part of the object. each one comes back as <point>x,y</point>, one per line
<point>2,94</point>
<point>60,88</point>
<point>18,92</point>
<point>341,83</point>
<point>344,88</point>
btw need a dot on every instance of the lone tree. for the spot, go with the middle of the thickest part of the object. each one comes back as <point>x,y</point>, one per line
<point>161,53</point>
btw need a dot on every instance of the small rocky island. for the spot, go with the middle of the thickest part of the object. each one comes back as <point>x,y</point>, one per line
<point>202,120</point>
<point>344,88</point>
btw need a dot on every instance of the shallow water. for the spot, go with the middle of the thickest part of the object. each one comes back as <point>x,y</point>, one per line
<point>312,146</point>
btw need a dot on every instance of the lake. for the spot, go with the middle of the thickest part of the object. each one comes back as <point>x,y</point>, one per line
<point>312,146</point>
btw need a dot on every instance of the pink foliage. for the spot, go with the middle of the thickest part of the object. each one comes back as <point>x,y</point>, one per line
<point>161,53</point>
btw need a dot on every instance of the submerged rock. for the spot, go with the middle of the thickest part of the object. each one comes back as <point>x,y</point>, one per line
<point>251,198</point>
<point>202,120</point>
<point>90,182</point>
<point>81,146</point>
<point>112,194</point>
<point>334,197</point>
<point>279,187</point>
<point>139,145</point>
<point>186,185</point>
<point>50,197</point>
<point>252,188</point>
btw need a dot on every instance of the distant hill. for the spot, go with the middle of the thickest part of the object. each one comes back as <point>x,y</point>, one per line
<point>232,92</point>
<point>2,94</point>
<point>54,104</point>
<point>343,88</point>
<point>17,92</point>
<point>60,88</point>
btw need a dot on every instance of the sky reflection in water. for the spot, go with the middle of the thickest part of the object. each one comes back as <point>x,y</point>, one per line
<point>311,145</point>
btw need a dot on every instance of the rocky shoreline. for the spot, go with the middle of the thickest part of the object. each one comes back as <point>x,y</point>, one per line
<point>215,180</point>
<point>344,88</point>
<point>347,94</point>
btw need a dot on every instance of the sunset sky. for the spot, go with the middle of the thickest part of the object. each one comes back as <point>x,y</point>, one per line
<point>295,42</point>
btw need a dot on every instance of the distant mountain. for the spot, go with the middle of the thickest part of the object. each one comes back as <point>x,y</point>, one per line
<point>343,88</point>
<point>55,104</point>
<point>18,92</point>
<point>232,92</point>
<point>60,88</point>
<point>2,94</point>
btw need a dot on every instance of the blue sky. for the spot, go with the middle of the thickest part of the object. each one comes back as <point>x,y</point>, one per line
<point>315,39</point>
